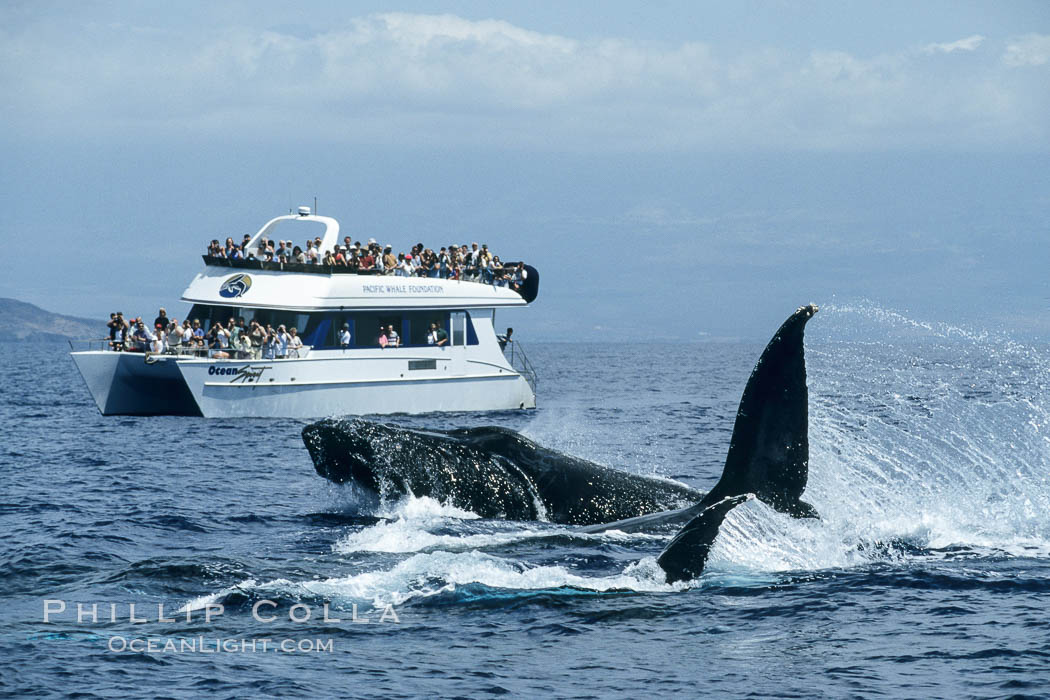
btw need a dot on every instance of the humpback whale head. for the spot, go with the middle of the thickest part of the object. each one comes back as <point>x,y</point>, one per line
<point>451,467</point>
<point>344,451</point>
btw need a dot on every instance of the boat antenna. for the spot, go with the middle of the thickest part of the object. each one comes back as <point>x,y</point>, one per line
<point>315,206</point>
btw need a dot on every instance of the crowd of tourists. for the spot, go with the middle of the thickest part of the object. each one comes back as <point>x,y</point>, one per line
<point>233,340</point>
<point>453,262</point>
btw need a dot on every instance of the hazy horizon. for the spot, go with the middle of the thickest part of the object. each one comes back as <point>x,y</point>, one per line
<point>692,172</point>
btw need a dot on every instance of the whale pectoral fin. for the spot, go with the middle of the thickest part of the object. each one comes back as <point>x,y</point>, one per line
<point>684,558</point>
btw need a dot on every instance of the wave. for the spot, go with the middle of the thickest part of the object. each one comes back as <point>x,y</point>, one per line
<point>450,576</point>
<point>417,524</point>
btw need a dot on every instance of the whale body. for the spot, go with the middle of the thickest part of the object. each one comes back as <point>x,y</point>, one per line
<point>494,472</point>
<point>498,473</point>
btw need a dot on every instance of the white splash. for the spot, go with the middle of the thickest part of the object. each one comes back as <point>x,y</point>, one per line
<point>431,574</point>
<point>413,521</point>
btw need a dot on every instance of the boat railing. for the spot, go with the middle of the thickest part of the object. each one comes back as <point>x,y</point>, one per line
<point>88,344</point>
<point>528,289</point>
<point>316,268</point>
<point>520,362</point>
<point>178,351</point>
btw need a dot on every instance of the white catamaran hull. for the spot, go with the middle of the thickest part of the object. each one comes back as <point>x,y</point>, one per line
<point>356,383</point>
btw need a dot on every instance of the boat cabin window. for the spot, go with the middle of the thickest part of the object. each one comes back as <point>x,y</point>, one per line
<point>459,328</point>
<point>320,329</point>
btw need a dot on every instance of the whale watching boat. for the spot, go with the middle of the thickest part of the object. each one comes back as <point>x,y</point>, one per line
<point>461,366</point>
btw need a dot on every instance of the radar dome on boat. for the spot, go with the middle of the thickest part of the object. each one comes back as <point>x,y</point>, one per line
<point>304,211</point>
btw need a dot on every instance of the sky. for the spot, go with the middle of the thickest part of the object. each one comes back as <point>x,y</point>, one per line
<point>675,170</point>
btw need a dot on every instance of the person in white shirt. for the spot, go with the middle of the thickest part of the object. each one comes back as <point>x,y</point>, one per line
<point>244,347</point>
<point>156,345</point>
<point>295,343</point>
<point>218,341</point>
<point>344,336</point>
<point>282,342</point>
<point>173,336</point>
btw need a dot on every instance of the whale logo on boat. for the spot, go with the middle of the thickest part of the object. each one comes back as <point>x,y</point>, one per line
<point>498,473</point>
<point>235,286</point>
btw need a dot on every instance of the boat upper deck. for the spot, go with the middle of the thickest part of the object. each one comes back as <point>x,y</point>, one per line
<point>263,273</point>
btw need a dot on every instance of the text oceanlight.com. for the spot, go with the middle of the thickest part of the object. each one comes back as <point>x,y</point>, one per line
<point>218,645</point>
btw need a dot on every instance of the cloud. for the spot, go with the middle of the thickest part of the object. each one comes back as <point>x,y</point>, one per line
<point>411,79</point>
<point>970,43</point>
<point>1029,50</point>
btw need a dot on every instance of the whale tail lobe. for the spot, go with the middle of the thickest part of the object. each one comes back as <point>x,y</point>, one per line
<point>686,555</point>
<point>768,453</point>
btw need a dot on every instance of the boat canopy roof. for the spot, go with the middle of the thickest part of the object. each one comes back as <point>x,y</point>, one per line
<point>252,286</point>
<point>298,222</point>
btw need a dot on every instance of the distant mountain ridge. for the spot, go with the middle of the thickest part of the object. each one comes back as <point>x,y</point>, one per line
<point>22,321</point>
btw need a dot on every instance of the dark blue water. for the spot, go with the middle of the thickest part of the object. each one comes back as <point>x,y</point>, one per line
<point>928,576</point>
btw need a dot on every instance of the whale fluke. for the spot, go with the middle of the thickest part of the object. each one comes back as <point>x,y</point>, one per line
<point>685,556</point>
<point>769,451</point>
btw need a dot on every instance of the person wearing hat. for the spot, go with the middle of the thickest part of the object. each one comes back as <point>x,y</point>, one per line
<point>156,344</point>
<point>344,336</point>
<point>367,261</point>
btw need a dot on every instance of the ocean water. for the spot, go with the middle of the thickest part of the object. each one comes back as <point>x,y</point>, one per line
<point>927,576</point>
